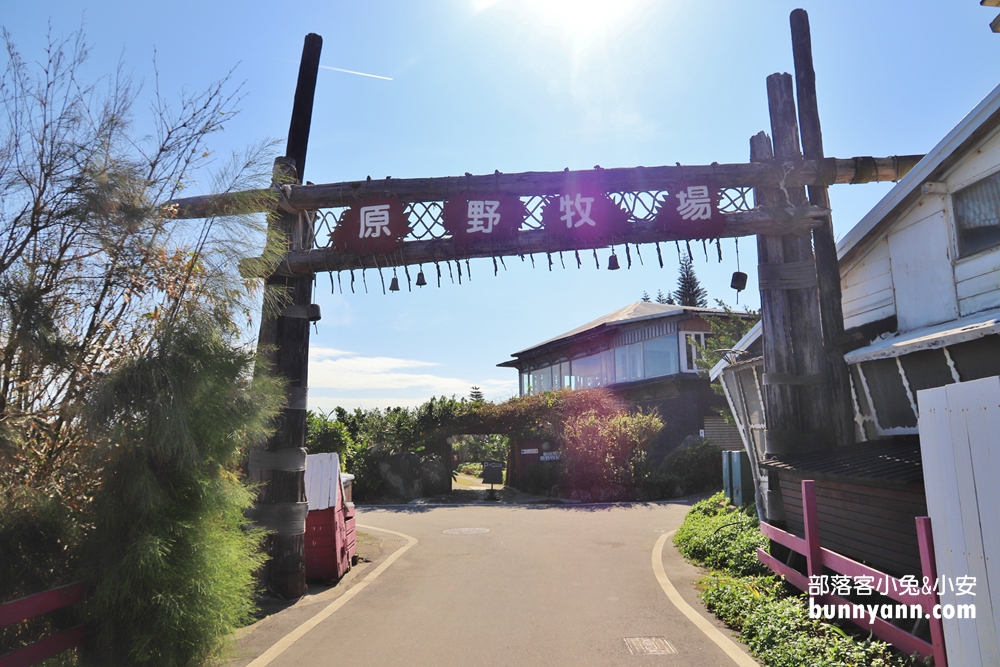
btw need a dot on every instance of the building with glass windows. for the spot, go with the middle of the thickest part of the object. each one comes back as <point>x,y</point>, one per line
<point>646,352</point>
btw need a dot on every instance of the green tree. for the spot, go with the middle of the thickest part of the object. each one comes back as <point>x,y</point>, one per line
<point>726,331</point>
<point>171,560</point>
<point>664,299</point>
<point>99,280</point>
<point>326,435</point>
<point>689,291</point>
<point>645,297</point>
<point>476,395</point>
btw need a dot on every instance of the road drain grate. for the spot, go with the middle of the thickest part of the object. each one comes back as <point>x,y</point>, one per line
<point>649,646</point>
<point>466,531</point>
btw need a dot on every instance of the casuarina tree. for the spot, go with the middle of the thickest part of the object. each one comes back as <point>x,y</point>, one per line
<point>102,286</point>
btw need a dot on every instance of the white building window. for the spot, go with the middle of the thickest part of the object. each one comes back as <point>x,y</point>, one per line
<point>977,215</point>
<point>690,353</point>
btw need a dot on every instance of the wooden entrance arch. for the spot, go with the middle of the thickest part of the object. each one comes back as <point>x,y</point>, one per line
<point>787,178</point>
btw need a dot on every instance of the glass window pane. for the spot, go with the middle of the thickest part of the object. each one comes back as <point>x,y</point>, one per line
<point>607,367</point>
<point>659,356</point>
<point>635,361</point>
<point>541,379</point>
<point>621,364</point>
<point>690,352</point>
<point>977,215</point>
<point>565,379</point>
<point>587,372</point>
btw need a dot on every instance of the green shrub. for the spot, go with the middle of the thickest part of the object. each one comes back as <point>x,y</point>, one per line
<point>542,478</point>
<point>361,460</point>
<point>722,537</point>
<point>697,466</point>
<point>38,543</point>
<point>326,435</point>
<point>747,597</point>
<point>599,452</point>
<point>473,469</point>
<point>479,448</point>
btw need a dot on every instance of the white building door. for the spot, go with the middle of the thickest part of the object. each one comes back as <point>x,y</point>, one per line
<point>960,446</point>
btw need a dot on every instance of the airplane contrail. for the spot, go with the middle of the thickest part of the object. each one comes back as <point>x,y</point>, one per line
<point>348,71</point>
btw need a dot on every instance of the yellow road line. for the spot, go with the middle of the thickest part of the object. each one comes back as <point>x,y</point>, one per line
<point>299,632</point>
<point>722,641</point>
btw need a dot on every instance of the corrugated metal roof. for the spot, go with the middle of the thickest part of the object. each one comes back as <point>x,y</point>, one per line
<point>895,461</point>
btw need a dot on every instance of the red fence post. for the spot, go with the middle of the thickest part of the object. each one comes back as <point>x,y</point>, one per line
<point>814,557</point>
<point>928,565</point>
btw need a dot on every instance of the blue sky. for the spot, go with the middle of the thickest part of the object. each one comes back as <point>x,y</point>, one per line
<point>534,85</point>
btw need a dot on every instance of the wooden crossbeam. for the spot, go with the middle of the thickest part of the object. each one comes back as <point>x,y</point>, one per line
<point>774,173</point>
<point>746,223</point>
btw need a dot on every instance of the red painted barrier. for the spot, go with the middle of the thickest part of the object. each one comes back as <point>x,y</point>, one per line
<point>818,558</point>
<point>17,611</point>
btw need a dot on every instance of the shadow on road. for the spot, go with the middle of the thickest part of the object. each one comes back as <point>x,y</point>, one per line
<point>511,497</point>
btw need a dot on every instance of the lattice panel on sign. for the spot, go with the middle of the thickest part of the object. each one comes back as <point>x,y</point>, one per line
<point>735,200</point>
<point>425,220</point>
<point>534,205</point>
<point>640,205</point>
<point>324,222</point>
<point>425,217</point>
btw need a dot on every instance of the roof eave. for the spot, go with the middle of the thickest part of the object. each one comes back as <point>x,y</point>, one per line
<point>971,130</point>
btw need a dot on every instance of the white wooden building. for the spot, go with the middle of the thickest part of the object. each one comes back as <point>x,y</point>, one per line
<point>920,276</point>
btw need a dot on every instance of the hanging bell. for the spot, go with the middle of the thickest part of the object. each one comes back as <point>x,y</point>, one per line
<point>739,282</point>
<point>613,262</point>
<point>421,281</point>
<point>394,285</point>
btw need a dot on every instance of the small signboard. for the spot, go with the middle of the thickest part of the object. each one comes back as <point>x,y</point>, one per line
<point>482,219</point>
<point>530,451</point>
<point>549,456</point>
<point>584,214</point>
<point>374,225</point>
<point>492,472</point>
<point>691,211</point>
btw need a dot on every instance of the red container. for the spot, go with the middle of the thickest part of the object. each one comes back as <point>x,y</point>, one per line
<point>330,542</point>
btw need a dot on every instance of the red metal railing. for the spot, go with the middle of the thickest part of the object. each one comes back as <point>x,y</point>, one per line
<point>16,611</point>
<point>819,557</point>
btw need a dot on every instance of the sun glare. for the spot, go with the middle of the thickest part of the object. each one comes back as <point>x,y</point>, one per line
<point>582,22</point>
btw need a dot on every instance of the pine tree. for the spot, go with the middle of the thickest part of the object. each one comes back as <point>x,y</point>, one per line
<point>663,299</point>
<point>476,395</point>
<point>689,291</point>
<point>645,296</point>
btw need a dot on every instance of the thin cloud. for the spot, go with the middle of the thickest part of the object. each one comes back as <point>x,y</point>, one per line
<point>350,71</point>
<point>340,371</point>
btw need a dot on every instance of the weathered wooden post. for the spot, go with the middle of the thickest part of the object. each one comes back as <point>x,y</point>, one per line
<point>796,277</point>
<point>837,385</point>
<point>782,408</point>
<point>796,415</point>
<point>284,343</point>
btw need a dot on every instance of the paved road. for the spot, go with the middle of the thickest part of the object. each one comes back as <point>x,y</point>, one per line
<point>542,585</point>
